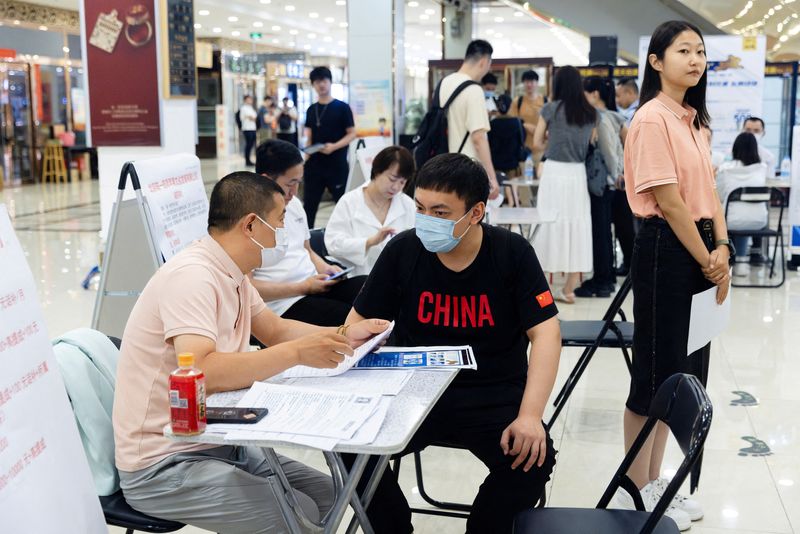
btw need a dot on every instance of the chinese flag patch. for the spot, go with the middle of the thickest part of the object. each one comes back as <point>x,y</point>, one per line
<point>544,299</point>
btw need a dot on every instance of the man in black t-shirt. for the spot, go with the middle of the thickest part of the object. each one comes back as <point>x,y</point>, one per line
<point>329,122</point>
<point>455,281</point>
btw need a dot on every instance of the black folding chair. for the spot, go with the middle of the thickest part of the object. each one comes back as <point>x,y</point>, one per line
<point>317,242</point>
<point>768,196</point>
<point>605,333</point>
<point>683,405</point>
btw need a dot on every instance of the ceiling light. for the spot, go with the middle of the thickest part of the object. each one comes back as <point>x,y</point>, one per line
<point>518,13</point>
<point>413,4</point>
<point>43,28</point>
<point>293,32</point>
<point>276,41</point>
<point>276,28</point>
<point>313,15</point>
<point>784,38</point>
<point>330,20</point>
<point>258,24</point>
<point>499,19</point>
<point>484,10</point>
<point>235,33</point>
<point>65,49</point>
<point>440,37</point>
<point>197,26</point>
<point>289,8</point>
<point>216,30</point>
<point>16,23</point>
<point>204,12</point>
<point>233,19</point>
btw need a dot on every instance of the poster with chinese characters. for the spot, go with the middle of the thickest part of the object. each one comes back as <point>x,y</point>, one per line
<point>45,482</point>
<point>173,187</point>
<point>371,102</point>
<point>735,86</point>
<point>122,69</point>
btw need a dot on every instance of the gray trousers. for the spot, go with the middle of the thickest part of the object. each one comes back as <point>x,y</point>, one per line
<point>224,490</point>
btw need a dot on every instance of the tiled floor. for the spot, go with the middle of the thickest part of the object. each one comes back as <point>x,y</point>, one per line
<point>758,355</point>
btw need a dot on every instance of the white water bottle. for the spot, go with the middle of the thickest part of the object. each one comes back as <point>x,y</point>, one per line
<point>786,168</point>
<point>529,168</point>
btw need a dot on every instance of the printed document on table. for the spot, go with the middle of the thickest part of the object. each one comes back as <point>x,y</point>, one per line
<point>365,381</point>
<point>369,430</point>
<point>708,319</point>
<point>349,362</point>
<point>306,411</point>
<point>429,358</point>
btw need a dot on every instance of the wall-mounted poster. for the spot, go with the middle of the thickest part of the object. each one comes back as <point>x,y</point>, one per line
<point>371,102</point>
<point>178,48</point>
<point>122,69</point>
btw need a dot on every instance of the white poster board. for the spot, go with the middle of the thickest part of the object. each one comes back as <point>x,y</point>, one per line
<point>794,196</point>
<point>735,87</point>
<point>177,198</point>
<point>45,482</point>
<point>361,171</point>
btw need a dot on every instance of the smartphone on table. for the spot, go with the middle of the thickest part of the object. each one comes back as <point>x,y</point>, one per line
<point>235,415</point>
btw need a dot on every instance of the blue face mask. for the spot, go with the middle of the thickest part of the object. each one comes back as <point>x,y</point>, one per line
<point>437,234</point>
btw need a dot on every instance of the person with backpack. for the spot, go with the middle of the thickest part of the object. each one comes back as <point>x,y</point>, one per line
<point>506,138</point>
<point>454,280</point>
<point>569,121</point>
<point>457,121</point>
<point>287,121</point>
<point>246,119</point>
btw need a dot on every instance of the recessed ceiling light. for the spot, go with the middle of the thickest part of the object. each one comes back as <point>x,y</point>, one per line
<point>499,19</point>
<point>258,24</point>
<point>65,49</point>
<point>330,20</point>
<point>293,32</point>
<point>233,19</point>
<point>484,10</point>
<point>43,28</point>
<point>16,23</point>
<point>204,12</point>
<point>518,13</point>
<point>312,35</point>
<point>313,15</point>
<point>216,30</point>
<point>276,28</point>
<point>235,33</point>
<point>413,4</point>
<point>289,8</point>
<point>198,26</point>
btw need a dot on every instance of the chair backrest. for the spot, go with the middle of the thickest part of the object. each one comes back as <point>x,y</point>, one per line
<point>757,195</point>
<point>317,242</point>
<point>683,405</point>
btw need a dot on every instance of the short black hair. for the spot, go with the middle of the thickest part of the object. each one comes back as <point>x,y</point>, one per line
<point>320,73</point>
<point>274,157</point>
<point>268,98</point>
<point>388,157</point>
<point>478,49</point>
<point>489,79</point>
<point>530,75</point>
<point>630,83</point>
<point>455,173</point>
<point>237,195</point>
<point>756,119</point>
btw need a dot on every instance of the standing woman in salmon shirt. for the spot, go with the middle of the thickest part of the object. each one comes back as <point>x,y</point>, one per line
<point>682,247</point>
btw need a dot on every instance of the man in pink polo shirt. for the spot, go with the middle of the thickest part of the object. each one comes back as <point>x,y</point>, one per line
<point>202,302</point>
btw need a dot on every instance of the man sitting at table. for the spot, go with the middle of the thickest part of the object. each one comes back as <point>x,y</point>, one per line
<point>202,302</point>
<point>295,284</point>
<point>456,281</point>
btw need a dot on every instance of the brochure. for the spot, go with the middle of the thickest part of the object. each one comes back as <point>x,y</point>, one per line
<point>443,357</point>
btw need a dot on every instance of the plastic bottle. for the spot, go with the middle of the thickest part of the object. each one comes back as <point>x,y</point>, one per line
<point>786,168</point>
<point>529,168</point>
<point>187,397</point>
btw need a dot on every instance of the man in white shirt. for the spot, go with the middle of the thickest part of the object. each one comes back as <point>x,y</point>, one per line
<point>627,98</point>
<point>295,286</point>
<point>755,126</point>
<point>467,119</point>
<point>247,116</point>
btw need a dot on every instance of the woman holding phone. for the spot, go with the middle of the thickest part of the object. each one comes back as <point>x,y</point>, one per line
<point>682,246</point>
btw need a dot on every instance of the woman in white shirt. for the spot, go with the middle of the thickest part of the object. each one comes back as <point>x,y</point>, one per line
<point>745,170</point>
<point>366,218</point>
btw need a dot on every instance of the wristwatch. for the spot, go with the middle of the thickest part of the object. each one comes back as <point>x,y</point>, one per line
<point>729,244</point>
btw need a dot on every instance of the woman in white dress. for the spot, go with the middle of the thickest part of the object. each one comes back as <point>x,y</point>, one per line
<point>366,218</point>
<point>566,127</point>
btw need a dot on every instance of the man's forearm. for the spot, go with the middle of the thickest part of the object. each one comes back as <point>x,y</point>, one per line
<point>344,141</point>
<point>542,369</point>
<point>237,370</point>
<point>279,290</point>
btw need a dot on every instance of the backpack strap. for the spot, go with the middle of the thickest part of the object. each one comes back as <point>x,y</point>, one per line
<point>457,92</point>
<point>519,104</point>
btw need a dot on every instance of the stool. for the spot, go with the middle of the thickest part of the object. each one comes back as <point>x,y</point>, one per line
<point>53,167</point>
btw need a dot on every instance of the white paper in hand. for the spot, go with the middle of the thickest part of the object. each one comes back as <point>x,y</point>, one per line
<point>349,362</point>
<point>708,319</point>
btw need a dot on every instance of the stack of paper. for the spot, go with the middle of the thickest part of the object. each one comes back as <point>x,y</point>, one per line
<point>428,358</point>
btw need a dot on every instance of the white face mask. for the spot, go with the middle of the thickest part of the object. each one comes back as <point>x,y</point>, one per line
<point>272,256</point>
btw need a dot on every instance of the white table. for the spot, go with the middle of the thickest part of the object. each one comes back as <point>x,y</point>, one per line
<point>517,216</point>
<point>521,182</point>
<point>406,413</point>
